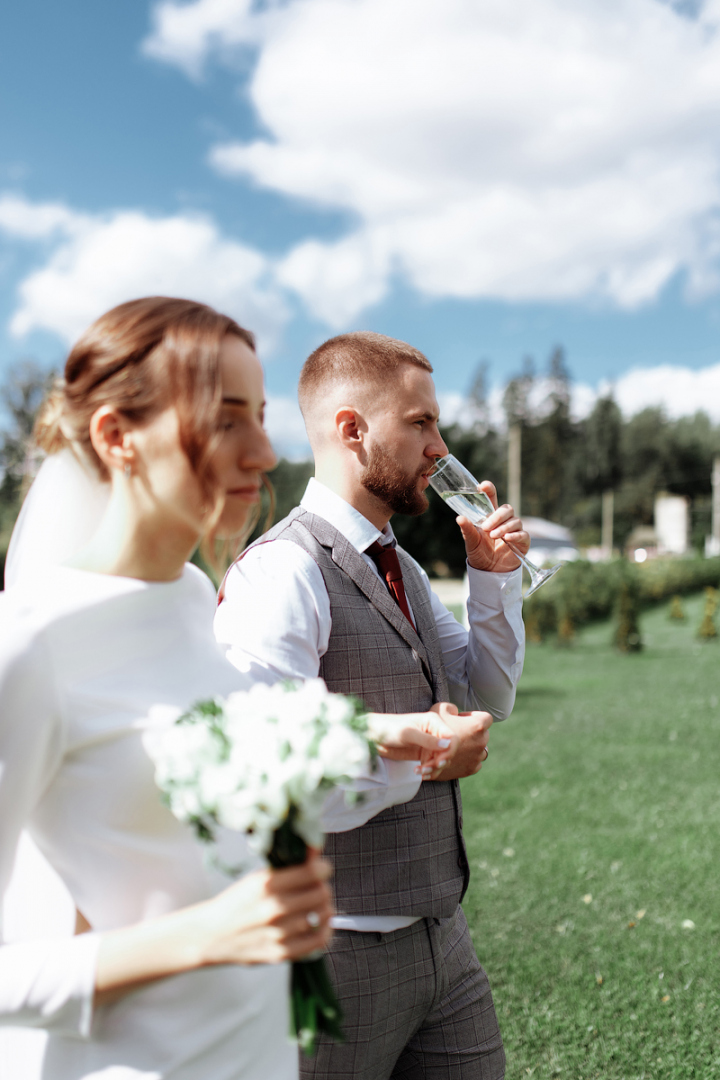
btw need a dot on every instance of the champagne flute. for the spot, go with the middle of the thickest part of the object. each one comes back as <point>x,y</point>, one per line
<point>459,489</point>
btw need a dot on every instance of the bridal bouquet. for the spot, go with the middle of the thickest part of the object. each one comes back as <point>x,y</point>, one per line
<point>262,762</point>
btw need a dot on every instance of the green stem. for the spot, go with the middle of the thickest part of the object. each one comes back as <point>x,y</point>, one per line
<point>315,1007</point>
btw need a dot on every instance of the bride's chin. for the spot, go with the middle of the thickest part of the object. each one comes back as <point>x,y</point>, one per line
<point>233,525</point>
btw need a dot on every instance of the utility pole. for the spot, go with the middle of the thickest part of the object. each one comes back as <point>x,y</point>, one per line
<point>514,470</point>
<point>713,547</point>
<point>608,509</point>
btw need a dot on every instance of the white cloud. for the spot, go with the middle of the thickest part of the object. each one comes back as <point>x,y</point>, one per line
<point>453,407</point>
<point>680,391</point>
<point>583,398</point>
<point>99,261</point>
<point>336,288</point>
<point>37,221</point>
<point>539,150</point>
<point>184,34</point>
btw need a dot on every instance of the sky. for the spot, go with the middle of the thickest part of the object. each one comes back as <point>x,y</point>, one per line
<point>487,179</point>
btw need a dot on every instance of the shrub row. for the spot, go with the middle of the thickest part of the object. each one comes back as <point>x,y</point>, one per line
<point>584,592</point>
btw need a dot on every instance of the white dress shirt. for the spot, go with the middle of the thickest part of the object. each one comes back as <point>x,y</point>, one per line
<point>289,632</point>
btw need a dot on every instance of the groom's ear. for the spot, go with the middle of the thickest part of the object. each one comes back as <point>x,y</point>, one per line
<point>110,437</point>
<point>351,428</point>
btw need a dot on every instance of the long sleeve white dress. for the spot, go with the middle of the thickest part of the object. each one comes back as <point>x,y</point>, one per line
<point>83,659</point>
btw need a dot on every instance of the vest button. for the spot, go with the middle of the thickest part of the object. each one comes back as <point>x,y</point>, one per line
<point>461,863</point>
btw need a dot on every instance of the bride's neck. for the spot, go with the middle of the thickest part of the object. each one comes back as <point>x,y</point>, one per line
<point>133,541</point>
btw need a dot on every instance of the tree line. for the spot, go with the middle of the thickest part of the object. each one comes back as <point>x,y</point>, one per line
<point>566,463</point>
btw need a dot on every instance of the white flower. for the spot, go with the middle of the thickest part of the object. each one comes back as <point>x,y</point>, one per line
<point>343,752</point>
<point>236,810</point>
<point>339,709</point>
<point>185,804</point>
<point>308,821</point>
<point>215,783</point>
<point>249,761</point>
<point>181,750</point>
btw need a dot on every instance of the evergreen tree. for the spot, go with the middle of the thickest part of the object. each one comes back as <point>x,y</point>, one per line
<point>480,419</point>
<point>707,630</point>
<point>556,448</point>
<point>566,628</point>
<point>601,447</point>
<point>676,612</point>
<point>627,628</point>
<point>517,397</point>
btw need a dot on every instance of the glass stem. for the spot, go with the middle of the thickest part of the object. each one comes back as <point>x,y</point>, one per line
<point>530,567</point>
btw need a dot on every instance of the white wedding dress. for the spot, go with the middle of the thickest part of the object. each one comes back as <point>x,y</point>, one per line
<point>83,659</point>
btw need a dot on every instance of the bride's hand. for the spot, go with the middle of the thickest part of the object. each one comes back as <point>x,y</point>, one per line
<point>264,918</point>
<point>271,915</point>
<point>471,730</point>
<point>422,737</point>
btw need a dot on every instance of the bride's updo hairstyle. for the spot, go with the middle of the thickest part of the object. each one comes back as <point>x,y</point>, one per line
<point>142,357</point>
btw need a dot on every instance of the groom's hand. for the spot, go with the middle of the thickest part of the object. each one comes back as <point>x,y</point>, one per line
<point>422,737</point>
<point>472,730</point>
<point>485,545</point>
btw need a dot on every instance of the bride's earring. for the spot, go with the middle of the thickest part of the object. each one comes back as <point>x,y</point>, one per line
<point>128,471</point>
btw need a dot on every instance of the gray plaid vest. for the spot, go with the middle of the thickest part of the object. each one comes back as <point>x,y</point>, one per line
<point>410,859</point>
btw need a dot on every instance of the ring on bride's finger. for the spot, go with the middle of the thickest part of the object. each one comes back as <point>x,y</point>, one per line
<point>313,920</point>
<point>486,754</point>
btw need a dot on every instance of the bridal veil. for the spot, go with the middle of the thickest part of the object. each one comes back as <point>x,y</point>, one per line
<point>60,514</point>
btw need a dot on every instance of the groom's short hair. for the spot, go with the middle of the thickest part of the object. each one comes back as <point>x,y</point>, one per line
<point>360,357</point>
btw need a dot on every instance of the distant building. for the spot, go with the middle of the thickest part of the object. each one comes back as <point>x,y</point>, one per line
<point>672,524</point>
<point>670,535</point>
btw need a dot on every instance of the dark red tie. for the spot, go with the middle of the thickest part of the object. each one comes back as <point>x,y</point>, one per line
<point>387,562</point>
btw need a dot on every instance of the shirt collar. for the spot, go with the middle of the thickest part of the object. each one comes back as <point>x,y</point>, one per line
<point>319,499</point>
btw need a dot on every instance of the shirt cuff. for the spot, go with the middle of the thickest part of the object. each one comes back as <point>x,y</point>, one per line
<point>494,590</point>
<point>393,783</point>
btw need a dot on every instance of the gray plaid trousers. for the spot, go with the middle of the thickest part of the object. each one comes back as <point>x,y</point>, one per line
<point>417,1006</point>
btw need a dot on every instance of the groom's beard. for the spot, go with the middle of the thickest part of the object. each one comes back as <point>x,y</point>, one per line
<point>384,479</point>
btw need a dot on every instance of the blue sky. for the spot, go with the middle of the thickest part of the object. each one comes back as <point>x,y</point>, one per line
<point>485,180</point>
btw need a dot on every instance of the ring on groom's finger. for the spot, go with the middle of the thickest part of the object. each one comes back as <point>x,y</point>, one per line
<point>485,754</point>
<point>313,920</point>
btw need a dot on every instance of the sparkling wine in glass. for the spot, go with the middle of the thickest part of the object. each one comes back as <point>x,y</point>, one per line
<point>459,489</point>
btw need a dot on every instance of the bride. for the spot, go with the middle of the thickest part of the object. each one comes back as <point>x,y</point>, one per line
<point>164,399</point>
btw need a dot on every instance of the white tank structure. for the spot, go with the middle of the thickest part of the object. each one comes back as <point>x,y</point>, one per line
<point>672,524</point>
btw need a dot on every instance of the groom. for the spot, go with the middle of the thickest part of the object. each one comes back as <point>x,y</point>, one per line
<point>326,592</point>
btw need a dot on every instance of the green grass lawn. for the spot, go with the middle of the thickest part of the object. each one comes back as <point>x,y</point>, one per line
<point>593,834</point>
